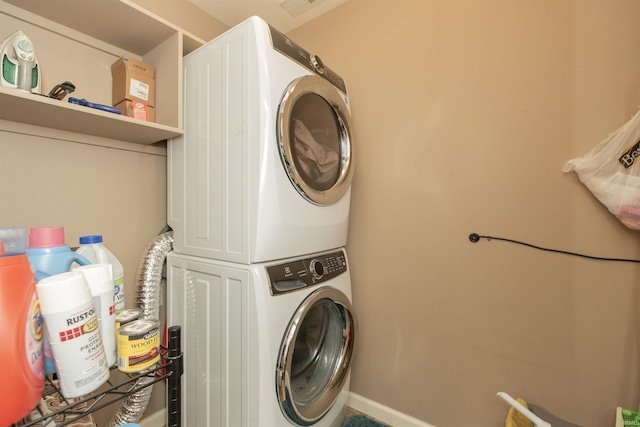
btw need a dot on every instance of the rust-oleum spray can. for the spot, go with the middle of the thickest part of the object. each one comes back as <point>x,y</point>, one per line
<point>72,328</point>
<point>22,357</point>
<point>50,255</point>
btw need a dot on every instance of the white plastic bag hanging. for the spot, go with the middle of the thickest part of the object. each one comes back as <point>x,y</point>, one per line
<point>611,171</point>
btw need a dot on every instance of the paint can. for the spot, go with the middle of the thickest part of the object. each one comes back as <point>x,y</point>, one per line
<point>138,345</point>
<point>126,316</point>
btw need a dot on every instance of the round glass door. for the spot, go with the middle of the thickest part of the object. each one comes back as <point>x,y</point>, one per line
<point>315,356</point>
<point>315,141</point>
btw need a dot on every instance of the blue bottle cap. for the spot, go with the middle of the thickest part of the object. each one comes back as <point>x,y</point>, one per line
<point>87,240</point>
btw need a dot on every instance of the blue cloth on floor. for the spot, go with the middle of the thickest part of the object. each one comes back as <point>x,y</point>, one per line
<point>361,421</point>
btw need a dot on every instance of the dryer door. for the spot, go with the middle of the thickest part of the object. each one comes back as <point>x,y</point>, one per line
<point>315,139</point>
<point>315,356</point>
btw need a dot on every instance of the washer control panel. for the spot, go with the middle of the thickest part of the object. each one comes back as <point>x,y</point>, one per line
<point>289,48</point>
<point>303,273</point>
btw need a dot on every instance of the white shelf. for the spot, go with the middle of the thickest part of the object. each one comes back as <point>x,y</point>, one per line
<point>23,107</point>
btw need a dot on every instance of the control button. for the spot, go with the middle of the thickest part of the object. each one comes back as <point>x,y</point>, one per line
<point>317,269</point>
<point>25,46</point>
<point>316,64</point>
<point>332,265</point>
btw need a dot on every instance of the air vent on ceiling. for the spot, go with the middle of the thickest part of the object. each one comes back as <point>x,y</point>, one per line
<point>297,7</point>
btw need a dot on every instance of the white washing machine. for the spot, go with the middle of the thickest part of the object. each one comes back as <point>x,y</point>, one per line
<point>265,345</point>
<point>264,168</point>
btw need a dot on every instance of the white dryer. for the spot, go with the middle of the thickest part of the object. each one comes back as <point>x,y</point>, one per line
<point>264,168</point>
<point>265,345</point>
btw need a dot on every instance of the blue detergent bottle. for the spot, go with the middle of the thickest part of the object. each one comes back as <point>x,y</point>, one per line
<point>49,255</point>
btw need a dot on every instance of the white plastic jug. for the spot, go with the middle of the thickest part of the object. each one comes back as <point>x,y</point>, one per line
<point>91,247</point>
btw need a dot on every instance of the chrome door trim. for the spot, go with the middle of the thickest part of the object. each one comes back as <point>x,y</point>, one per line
<point>319,86</point>
<point>313,412</point>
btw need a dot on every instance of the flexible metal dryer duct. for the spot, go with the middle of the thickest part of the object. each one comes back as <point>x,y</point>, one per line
<point>150,275</point>
<point>148,300</point>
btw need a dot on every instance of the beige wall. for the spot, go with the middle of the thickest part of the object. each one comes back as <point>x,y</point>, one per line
<point>464,114</point>
<point>114,191</point>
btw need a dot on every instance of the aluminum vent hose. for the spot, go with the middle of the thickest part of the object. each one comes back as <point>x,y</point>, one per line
<point>148,284</point>
<point>150,275</point>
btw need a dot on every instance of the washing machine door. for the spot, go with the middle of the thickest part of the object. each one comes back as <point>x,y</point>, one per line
<point>314,132</point>
<point>315,356</point>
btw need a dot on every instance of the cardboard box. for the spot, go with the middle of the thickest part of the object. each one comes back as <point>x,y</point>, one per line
<point>137,109</point>
<point>133,80</point>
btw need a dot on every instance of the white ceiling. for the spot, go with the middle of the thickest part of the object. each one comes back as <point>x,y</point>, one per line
<point>232,12</point>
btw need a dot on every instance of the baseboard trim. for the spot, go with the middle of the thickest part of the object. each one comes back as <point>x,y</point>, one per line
<point>383,413</point>
<point>361,404</point>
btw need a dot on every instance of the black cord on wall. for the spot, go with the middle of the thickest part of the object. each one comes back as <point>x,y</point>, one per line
<point>475,238</point>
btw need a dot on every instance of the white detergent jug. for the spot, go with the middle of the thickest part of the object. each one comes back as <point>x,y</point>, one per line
<point>91,247</point>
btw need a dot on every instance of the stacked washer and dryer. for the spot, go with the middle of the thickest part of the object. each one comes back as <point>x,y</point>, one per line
<point>259,192</point>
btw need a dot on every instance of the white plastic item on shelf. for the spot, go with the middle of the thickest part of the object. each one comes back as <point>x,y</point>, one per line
<point>99,277</point>
<point>91,247</point>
